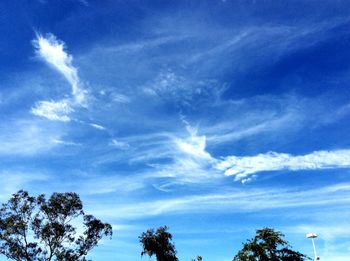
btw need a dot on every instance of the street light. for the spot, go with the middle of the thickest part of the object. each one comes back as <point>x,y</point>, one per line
<point>312,236</point>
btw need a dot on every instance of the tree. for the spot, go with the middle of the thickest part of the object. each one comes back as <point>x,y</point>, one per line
<point>198,258</point>
<point>268,245</point>
<point>159,244</point>
<point>33,228</point>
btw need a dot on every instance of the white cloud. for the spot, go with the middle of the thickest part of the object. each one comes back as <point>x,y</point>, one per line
<point>12,181</point>
<point>194,145</point>
<point>234,201</point>
<point>177,160</point>
<point>174,87</point>
<point>53,52</point>
<point>256,124</point>
<point>165,84</point>
<point>190,162</point>
<point>332,241</point>
<point>97,126</point>
<point>65,143</point>
<point>173,160</point>
<point>94,185</point>
<point>27,138</point>
<point>142,45</point>
<point>55,111</point>
<point>329,232</point>
<point>259,116</point>
<point>243,166</point>
<point>119,144</point>
<point>120,98</point>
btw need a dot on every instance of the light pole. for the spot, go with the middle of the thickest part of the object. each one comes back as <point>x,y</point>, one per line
<point>312,236</point>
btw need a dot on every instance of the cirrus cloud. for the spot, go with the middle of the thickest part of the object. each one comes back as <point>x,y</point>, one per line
<point>243,166</point>
<point>56,111</point>
<point>53,52</point>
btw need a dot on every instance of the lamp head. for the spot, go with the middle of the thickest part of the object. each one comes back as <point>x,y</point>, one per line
<point>311,235</point>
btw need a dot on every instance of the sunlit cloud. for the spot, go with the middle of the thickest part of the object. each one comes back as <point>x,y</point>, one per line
<point>55,111</point>
<point>190,163</point>
<point>242,166</point>
<point>194,146</point>
<point>243,85</point>
<point>52,51</point>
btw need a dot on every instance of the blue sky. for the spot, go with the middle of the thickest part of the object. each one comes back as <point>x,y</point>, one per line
<point>215,118</point>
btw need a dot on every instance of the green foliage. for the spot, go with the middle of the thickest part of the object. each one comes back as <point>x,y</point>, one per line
<point>268,245</point>
<point>198,258</point>
<point>33,228</point>
<point>158,243</point>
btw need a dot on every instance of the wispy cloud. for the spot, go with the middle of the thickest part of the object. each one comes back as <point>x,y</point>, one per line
<point>25,137</point>
<point>184,159</point>
<point>255,124</point>
<point>119,144</point>
<point>234,201</point>
<point>55,111</point>
<point>166,83</point>
<point>97,126</point>
<point>176,87</point>
<point>170,160</point>
<point>120,98</point>
<point>189,162</point>
<point>52,51</point>
<point>333,235</point>
<point>12,181</point>
<point>144,45</point>
<point>243,166</point>
<point>66,143</point>
<point>94,185</point>
<point>332,231</point>
<point>194,145</point>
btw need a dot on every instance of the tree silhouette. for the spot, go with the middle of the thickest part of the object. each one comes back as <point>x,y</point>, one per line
<point>33,228</point>
<point>158,243</point>
<point>268,245</point>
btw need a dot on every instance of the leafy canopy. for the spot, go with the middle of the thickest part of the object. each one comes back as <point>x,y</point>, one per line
<point>158,243</point>
<point>268,245</point>
<point>34,228</point>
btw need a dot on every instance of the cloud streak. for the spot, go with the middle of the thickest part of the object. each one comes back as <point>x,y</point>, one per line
<point>52,51</point>
<point>55,111</point>
<point>97,126</point>
<point>244,166</point>
<point>24,137</point>
<point>190,162</point>
<point>235,201</point>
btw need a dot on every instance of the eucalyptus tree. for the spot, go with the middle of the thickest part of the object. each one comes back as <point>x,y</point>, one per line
<point>158,243</point>
<point>36,228</point>
<point>268,245</point>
